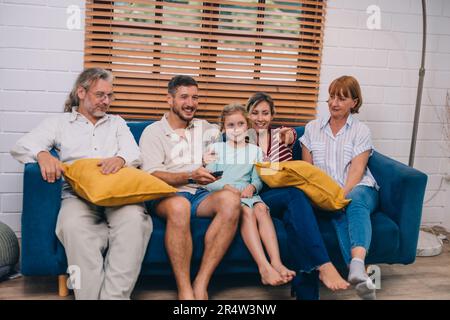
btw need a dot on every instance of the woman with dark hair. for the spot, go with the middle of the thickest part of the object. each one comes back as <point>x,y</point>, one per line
<point>306,247</point>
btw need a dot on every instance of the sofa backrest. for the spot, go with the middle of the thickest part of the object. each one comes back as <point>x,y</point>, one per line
<point>139,126</point>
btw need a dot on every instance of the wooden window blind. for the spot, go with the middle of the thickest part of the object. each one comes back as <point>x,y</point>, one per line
<point>233,48</point>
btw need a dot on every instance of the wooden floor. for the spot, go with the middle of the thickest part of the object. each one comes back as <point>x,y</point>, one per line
<point>427,278</point>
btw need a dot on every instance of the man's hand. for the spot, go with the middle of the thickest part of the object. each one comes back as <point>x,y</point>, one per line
<point>51,167</point>
<point>248,191</point>
<point>286,136</point>
<point>111,165</point>
<point>202,176</point>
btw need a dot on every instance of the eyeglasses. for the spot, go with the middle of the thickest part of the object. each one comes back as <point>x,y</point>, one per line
<point>100,95</point>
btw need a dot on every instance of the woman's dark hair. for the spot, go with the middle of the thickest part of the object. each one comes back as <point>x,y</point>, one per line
<point>257,98</point>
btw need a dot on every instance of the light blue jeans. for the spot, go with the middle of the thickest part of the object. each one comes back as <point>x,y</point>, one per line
<point>353,227</point>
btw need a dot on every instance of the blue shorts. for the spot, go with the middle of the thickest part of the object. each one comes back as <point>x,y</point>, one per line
<point>194,199</point>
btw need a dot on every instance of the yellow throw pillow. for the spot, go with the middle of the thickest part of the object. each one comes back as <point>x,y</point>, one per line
<point>322,190</point>
<point>127,186</point>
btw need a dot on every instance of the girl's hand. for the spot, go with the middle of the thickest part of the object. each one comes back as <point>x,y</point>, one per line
<point>248,191</point>
<point>286,136</point>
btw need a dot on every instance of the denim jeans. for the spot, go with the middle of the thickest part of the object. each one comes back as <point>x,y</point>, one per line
<point>354,227</point>
<point>305,243</point>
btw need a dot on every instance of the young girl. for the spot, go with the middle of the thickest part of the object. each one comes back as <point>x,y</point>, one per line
<point>236,158</point>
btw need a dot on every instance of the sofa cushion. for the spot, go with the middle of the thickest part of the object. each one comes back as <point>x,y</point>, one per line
<point>384,246</point>
<point>156,249</point>
<point>137,128</point>
<point>238,252</point>
<point>128,185</point>
<point>320,188</point>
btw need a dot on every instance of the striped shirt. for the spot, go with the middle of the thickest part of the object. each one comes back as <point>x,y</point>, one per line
<point>333,154</point>
<point>276,150</point>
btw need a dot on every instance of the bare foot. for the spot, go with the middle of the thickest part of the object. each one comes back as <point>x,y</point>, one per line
<point>271,276</point>
<point>200,291</point>
<point>331,277</point>
<point>285,273</point>
<point>186,295</point>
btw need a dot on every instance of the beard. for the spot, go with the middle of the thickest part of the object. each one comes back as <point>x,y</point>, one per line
<point>99,113</point>
<point>180,114</point>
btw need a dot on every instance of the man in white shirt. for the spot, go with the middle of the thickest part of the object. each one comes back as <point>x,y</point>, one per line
<point>172,150</point>
<point>107,244</point>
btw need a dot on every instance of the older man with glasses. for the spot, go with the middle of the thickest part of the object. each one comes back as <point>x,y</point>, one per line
<point>106,244</point>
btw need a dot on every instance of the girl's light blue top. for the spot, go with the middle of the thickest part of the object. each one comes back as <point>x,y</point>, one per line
<point>238,168</point>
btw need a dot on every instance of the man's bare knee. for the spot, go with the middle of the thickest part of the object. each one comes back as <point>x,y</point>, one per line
<point>176,211</point>
<point>229,205</point>
<point>229,198</point>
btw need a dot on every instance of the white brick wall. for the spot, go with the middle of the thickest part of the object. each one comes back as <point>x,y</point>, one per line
<point>386,62</point>
<point>40,58</point>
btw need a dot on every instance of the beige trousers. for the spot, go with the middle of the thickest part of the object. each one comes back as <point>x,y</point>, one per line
<point>105,247</point>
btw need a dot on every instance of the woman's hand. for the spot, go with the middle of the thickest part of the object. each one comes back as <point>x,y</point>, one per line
<point>287,136</point>
<point>111,165</point>
<point>346,191</point>
<point>248,191</point>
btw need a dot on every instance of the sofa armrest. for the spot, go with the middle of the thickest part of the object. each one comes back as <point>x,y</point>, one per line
<point>402,190</point>
<point>41,203</point>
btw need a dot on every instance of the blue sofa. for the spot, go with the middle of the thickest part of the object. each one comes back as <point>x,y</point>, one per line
<point>395,224</point>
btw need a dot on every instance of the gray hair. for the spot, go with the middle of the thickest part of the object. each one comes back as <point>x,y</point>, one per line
<point>85,80</point>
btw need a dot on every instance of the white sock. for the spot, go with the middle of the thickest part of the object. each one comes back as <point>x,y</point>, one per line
<point>357,272</point>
